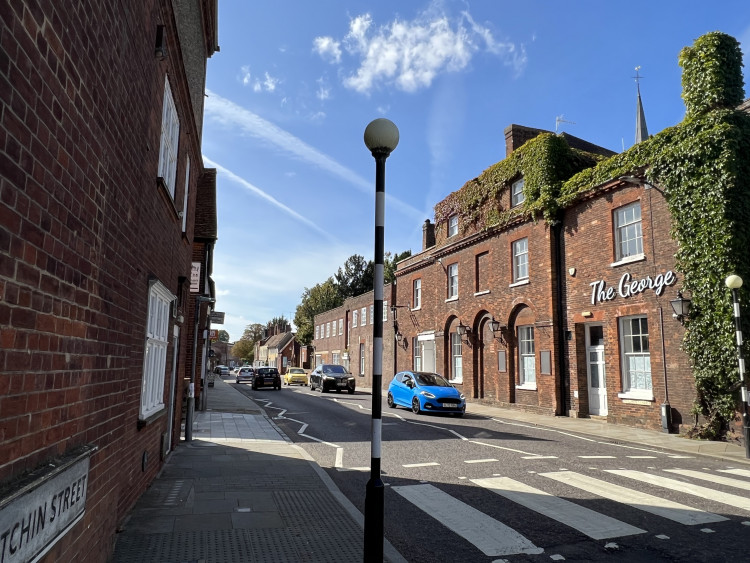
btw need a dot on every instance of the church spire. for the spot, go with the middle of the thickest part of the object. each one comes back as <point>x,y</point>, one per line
<point>641,131</point>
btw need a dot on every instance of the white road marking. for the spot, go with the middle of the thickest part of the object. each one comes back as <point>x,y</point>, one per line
<point>740,472</point>
<point>728,481</point>
<point>339,458</point>
<point>597,457</point>
<point>426,464</point>
<point>642,501</point>
<point>594,524</point>
<point>641,456</point>
<point>502,448</point>
<point>533,457</point>
<point>695,490</point>
<point>487,534</point>
<point>320,441</point>
<point>480,460</point>
<point>353,469</point>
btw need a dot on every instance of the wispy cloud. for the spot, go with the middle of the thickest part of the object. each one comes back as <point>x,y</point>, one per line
<point>228,114</point>
<point>411,54</point>
<point>267,197</point>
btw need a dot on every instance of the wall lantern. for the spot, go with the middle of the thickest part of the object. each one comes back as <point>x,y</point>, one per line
<point>495,326</point>
<point>681,307</point>
<point>398,337</point>
<point>463,330</point>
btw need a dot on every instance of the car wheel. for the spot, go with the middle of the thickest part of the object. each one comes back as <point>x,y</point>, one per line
<point>391,403</point>
<point>351,391</point>
<point>415,406</point>
<point>323,388</point>
<point>312,386</point>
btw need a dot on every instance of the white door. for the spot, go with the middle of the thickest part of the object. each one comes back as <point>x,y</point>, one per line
<point>595,365</point>
<point>428,355</point>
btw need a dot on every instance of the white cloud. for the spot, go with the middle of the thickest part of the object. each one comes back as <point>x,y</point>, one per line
<point>245,75</point>
<point>411,54</point>
<point>328,49</point>
<point>270,83</point>
<point>324,90</point>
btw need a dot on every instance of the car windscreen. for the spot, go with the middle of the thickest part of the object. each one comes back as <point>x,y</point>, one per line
<point>334,369</point>
<point>431,379</point>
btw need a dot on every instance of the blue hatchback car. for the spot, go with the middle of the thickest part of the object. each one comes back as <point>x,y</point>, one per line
<point>425,392</point>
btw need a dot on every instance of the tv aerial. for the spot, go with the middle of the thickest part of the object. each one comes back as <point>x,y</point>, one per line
<point>559,119</point>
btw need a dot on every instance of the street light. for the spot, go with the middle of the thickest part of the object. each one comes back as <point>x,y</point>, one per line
<point>734,282</point>
<point>190,414</point>
<point>381,137</point>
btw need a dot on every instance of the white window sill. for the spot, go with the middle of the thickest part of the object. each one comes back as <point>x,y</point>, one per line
<point>522,282</point>
<point>628,260</point>
<point>527,386</point>
<point>452,299</point>
<point>643,396</point>
<point>416,308</point>
<point>478,293</point>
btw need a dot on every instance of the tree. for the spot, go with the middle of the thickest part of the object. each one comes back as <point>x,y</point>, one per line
<point>318,299</point>
<point>356,277</point>
<point>245,350</point>
<point>281,324</point>
<point>253,332</point>
<point>389,265</point>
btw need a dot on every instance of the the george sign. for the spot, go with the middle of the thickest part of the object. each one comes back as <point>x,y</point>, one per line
<point>629,287</point>
<point>217,317</point>
<point>195,277</point>
<point>34,521</point>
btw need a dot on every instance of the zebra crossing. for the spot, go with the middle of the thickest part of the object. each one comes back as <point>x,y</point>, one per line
<point>495,538</point>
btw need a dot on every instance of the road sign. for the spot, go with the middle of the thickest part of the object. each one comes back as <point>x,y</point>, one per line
<point>217,317</point>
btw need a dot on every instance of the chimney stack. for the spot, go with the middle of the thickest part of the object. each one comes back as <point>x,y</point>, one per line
<point>428,235</point>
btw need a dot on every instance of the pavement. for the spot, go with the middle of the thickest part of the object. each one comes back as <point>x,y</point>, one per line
<point>242,491</point>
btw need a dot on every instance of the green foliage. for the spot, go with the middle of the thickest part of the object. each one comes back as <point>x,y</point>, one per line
<point>244,349</point>
<point>389,265</point>
<point>315,300</point>
<point>544,162</point>
<point>711,74</point>
<point>356,277</point>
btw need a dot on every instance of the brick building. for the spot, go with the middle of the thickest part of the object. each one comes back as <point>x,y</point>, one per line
<point>344,336</point>
<point>101,109</point>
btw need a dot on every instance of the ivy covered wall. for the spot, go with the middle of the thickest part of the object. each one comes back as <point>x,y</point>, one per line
<point>703,167</point>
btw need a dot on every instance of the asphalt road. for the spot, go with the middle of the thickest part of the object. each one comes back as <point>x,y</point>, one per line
<point>485,489</point>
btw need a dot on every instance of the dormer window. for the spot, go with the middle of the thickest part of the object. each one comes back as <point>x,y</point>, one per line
<point>516,193</point>
<point>452,225</point>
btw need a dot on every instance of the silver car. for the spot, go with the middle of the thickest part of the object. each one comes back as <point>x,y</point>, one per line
<point>244,374</point>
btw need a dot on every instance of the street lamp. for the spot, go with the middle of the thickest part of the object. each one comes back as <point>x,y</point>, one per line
<point>734,282</point>
<point>190,414</point>
<point>381,137</point>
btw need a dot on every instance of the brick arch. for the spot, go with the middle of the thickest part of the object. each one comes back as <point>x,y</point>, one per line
<point>479,359</point>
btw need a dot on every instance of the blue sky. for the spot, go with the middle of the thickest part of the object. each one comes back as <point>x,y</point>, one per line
<point>296,82</point>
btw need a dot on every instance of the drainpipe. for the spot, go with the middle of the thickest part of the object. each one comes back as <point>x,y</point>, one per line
<point>557,229</point>
<point>666,409</point>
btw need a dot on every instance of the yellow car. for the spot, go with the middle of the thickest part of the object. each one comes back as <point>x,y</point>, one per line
<point>295,375</point>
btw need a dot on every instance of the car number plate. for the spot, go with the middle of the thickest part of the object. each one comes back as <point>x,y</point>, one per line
<point>449,406</point>
<point>341,384</point>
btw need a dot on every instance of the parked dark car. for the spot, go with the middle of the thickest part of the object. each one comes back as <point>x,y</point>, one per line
<point>331,376</point>
<point>267,377</point>
<point>424,391</point>
<point>222,371</point>
<point>244,373</point>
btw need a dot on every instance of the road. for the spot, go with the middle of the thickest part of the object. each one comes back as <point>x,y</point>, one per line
<point>486,489</point>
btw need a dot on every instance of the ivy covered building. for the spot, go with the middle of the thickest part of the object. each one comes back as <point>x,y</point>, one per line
<point>546,283</point>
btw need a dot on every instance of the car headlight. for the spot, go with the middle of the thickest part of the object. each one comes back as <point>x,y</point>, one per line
<point>462,396</point>
<point>327,377</point>
<point>427,394</point>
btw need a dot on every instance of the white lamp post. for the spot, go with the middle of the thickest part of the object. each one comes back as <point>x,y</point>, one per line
<point>381,137</point>
<point>734,282</point>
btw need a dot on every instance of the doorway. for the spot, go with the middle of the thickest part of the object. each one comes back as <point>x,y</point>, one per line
<point>597,379</point>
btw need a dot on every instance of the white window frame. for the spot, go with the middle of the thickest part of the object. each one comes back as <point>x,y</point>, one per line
<point>155,353</point>
<point>628,232</point>
<point>328,329</point>
<point>452,226</point>
<point>187,191</point>
<point>333,327</point>
<point>517,196</point>
<point>520,260</point>
<point>372,313</point>
<point>636,363</point>
<point>453,281</point>
<point>354,318</point>
<point>526,357</point>
<point>170,137</point>
<point>335,359</point>
<point>363,316</point>
<point>457,358</point>
<point>317,331</point>
<point>417,294</point>
<point>341,326</point>
<point>361,358</point>
<point>417,357</point>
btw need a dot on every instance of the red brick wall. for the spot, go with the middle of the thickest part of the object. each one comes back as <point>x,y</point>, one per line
<point>83,226</point>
